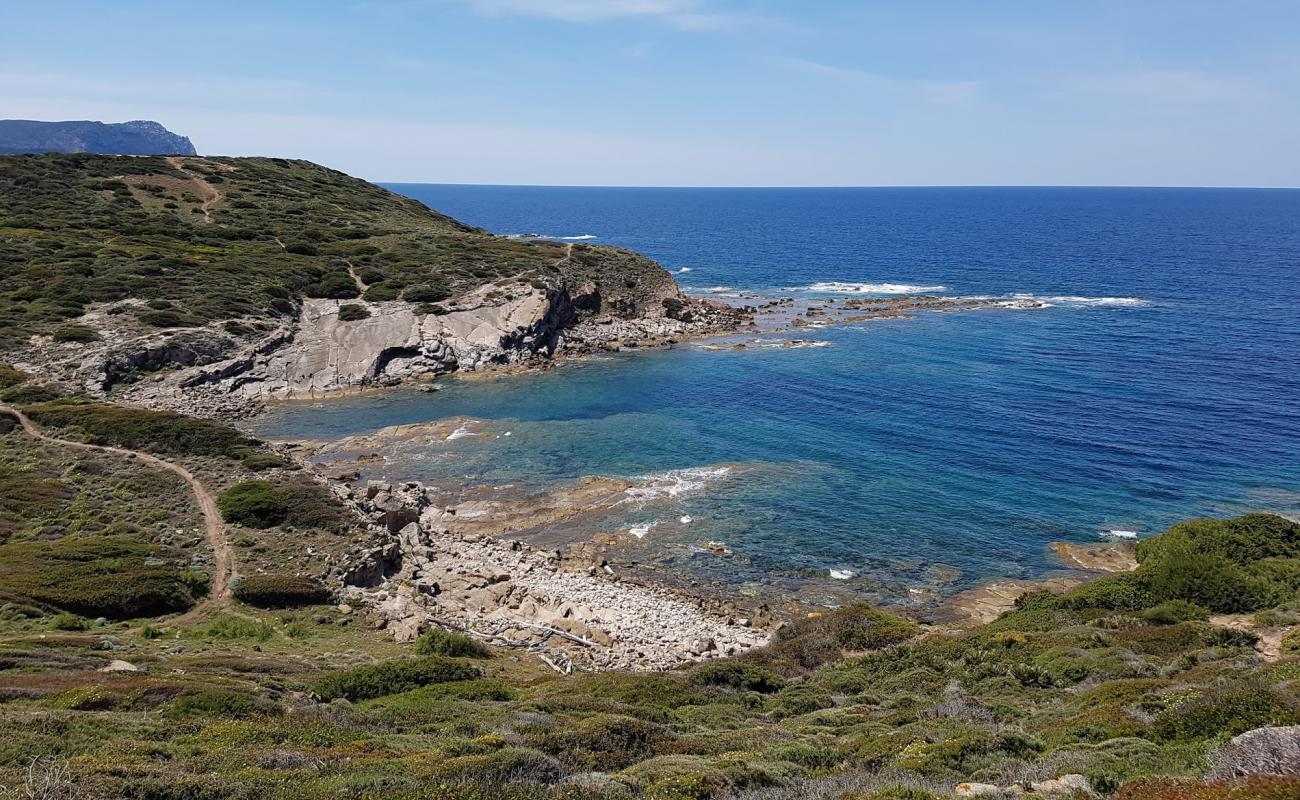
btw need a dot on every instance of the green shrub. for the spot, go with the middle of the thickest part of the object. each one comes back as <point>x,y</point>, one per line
<point>393,677</point>
<point>441,642</point>
<point>258,461</point>
<point>1226,711</point>
<point>255,504</point>
<point>426,294</point>
<point>431,308</point>
<point>67,622</point>
<point>738,675</point>
<point>137,429</point>
<point>1171,612</point>
<point>169,319</point>
<point>1230,565</point>
<point>216,703</point>
<point>605,743</point>
<point>116,577</point>
<point>1241,540</point>
<point>228,627</point>
<point>27,395</point>
<point>1291,642</point>
<point>74,333</point>
<point>382,292</point>
<point>336,285</point>
<point>280,591</point>
<point>350,312</point>
<point>821,638</point>
<point>10,376</point>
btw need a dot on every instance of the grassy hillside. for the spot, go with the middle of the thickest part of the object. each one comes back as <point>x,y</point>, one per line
<point>1128,681</point>
<point>196,240</point>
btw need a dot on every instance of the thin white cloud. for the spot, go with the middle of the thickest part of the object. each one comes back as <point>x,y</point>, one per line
<point>1169,87</point>
<point>688,15</point>
<point>942,92</point>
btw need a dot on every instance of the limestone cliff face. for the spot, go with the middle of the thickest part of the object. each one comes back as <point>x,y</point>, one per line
<point>394,343</point>
<point>496,325</point>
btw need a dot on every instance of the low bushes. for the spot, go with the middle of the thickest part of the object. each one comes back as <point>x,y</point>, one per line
<point>351,312</point>
<point>262,504</point>
<point>254,504</point>
<point>137,429</point>
<point>393,677</point>
<point>1225,711</point>
<point>115,577</point>
<point>822,638</point>
<point>74,333</point>
<point>739,675</point>
<point>1242,564</point>
<point>440,642</point>
<point>10,376</point>
<point>215,703</point>
<point>280,591</point>
<point>1248,563</point>
<point>606,743</point>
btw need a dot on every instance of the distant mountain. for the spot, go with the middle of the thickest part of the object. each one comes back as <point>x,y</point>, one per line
<point>136,138</point>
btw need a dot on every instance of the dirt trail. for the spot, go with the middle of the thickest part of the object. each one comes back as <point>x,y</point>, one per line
<point>361,286</point>
<point>209,194</point>
<point>1269,645</point>
<point>214,529</point>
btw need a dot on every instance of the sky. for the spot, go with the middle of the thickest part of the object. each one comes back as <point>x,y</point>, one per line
<point>689,92</point>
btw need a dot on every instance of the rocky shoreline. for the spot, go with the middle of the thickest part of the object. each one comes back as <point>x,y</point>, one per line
<point>429,567</point>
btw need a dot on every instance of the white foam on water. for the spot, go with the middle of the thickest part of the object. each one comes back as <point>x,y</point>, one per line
<point>673,483</point>
<point>1118,534</point>
<point>843,574</point>
<point>717,289</point>
<point>685,269</point>
<point>580,238</point>
<point>686,519</point>
<point>640,531</point>
<point>866,288</point>
<point>1078,300</point>
<point>460,433</point>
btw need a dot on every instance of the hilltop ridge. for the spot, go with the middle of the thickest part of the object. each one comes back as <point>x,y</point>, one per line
<point>137,137</point>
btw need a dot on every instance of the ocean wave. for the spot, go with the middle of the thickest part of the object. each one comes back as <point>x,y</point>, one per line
<point>769,344</point>
<point>1118,534</point>
<point>843,574</point>
<point>866,288</point>
<point>580,238</point>
<point>460,433</point>
<point>1077,300</point>
<point>685,269</point>
<point>673,483</point>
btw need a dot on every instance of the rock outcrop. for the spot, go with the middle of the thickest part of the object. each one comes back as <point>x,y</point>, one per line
<point>1263,751</point>
<point>495,326</point>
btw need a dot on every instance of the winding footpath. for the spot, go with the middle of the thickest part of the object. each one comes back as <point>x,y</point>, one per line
<point>214,528</point>
<point>208,194</point>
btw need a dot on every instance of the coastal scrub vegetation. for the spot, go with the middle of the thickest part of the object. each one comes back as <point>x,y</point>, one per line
<point>1130,681</point>
<point>131,236</point>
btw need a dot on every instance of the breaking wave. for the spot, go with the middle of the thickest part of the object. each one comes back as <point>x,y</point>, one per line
<point>1076,300</point>
<point>673,483</point>
<point>866,288</point>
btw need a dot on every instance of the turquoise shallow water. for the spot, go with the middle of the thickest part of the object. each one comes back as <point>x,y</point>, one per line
<point>1162,382</point>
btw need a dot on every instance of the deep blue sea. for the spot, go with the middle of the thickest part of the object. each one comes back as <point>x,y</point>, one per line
<point>1163,382</point>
